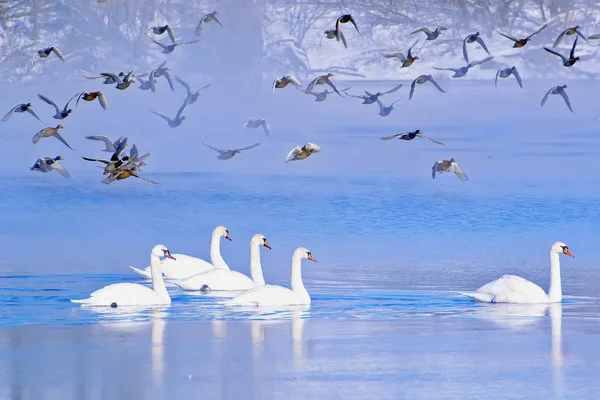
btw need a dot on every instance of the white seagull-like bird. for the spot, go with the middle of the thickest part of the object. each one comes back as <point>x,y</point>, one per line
<point>256,123</point>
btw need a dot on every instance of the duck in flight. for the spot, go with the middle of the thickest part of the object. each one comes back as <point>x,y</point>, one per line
<point>21,108</point>
<point>506,72</point>
<point>228,154</point>
<point>50,132</point>
<point>256,123</point>
<point>574,30</point>
<point>371,98</point>
<point>91,96</point>
<point>302,153</point>
<point>109,145</point>
<point>333,34</point>
<point>321,80</point>
<point>407,60</point>
<point>518,43</point>
<point>344,19</point>
<point>159,30</point>
<point>411,136</point>
<point>475,37</point>
<point>462,71</point>
<point>49,164</point>
<point>179,117</point>
<point>557,90</point>
<point>450,167</point>
<point>46,52</point>
<point>421,80</point>
<point>161,71</point>
<point>431,35</point>
<point>60,114</point>
<point>208,18</point>
<point>567,62</point>
<point>191,96</point>
<point>384,111</point>
<point>169,48</point>
<point>123,83</point>
<point>282,82</point>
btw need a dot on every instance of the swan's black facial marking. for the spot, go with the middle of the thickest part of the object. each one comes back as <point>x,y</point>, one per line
<point>113,305</point>
<point>265,243</point>
<point>167,254</point>
<point>566,251</point>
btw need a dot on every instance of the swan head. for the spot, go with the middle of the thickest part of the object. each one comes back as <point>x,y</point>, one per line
<point>223,231</point>
<point>161,251</point>
<point>561,248</point>
<point>305,253</point>
<point>261,240</point>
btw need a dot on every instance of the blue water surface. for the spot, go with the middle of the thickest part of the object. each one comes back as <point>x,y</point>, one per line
<point>394,248</point>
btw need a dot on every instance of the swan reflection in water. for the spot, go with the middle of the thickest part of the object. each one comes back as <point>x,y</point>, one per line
<point>157,317</point>
<point>263,318</point>
<point>520,316</point>
<point>134,319</point>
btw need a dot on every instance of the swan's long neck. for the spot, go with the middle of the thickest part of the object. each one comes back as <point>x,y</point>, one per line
<point>215,252</point>
<point>158,284</point>
<point>296,281</point>
<point>255,268</point>
<point>555,292</point>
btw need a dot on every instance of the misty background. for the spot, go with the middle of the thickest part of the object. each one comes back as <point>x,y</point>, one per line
<point>268,39</point>
<point>512,149</point>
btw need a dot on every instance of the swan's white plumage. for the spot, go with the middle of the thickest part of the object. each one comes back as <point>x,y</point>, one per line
<point>269,295</point>
<point>123,294</point>
<point>509,289</point>
<point>514,289</point>
<point>144,273</point>
<point>217,279</point>
<point>185,266</point>
<point>272,295</point>
<point>133,294</point>
<point>221,279</point>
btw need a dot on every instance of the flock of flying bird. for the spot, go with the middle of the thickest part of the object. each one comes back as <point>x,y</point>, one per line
<point>120,166</point>
<point>408,59</point>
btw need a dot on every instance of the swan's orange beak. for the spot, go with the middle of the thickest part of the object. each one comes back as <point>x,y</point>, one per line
<point>168,255</point>
<point>568,252</point>
<point>266,244</point>
<point>227,236</point>
<point>311,258</point>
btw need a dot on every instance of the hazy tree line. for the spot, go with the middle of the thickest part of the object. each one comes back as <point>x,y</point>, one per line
<point>267,36</point>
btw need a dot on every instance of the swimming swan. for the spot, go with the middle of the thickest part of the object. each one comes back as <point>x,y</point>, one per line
<point>186,266</point>
<point>514,289</point>
<point>221,279</point>
<point>272,295</point>
<point>133,294</point>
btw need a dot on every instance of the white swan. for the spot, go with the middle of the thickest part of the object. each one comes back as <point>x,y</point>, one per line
<point>133,294</point>
<point>514,289</point>
<point>221,279</point>
<point>272,295</point>
<point>186,266</point>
